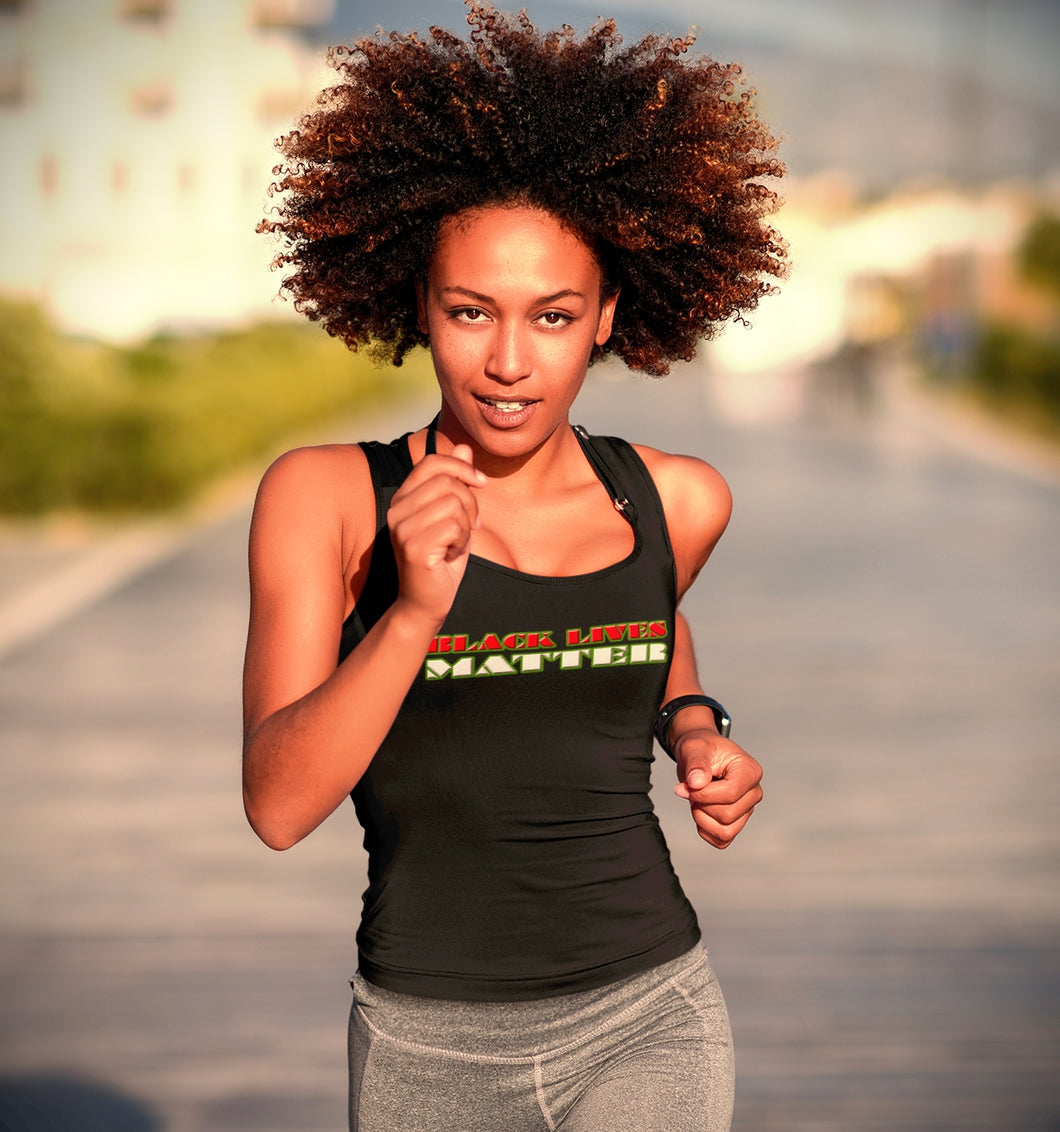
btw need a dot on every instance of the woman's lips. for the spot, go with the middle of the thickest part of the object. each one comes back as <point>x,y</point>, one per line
<point>505,412</point>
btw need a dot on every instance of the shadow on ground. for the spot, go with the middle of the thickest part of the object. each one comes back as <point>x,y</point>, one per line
<point>54,1102</point>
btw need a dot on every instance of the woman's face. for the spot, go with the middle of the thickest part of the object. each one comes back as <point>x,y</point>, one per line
<point>513,307</point>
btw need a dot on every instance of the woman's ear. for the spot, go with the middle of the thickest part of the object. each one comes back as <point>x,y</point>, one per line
<point>607,318</point>
<point>421,307</point>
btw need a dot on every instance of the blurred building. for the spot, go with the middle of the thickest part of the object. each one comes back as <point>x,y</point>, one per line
<point>919,269</point>
<point>137,142</point>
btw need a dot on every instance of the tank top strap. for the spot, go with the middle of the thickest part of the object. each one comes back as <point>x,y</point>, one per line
<point>430,444</point>
<point>629,483</point>
<point>389,464</point>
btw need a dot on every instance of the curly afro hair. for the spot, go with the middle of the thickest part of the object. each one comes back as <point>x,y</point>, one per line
<point>651,157</point>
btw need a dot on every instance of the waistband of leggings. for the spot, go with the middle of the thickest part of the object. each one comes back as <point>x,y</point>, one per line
<point>520,1030</point>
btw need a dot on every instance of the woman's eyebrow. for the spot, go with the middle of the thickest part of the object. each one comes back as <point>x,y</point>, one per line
<point>541,300</point>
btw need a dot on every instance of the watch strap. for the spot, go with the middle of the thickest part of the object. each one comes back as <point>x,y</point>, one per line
<point>722,719</point>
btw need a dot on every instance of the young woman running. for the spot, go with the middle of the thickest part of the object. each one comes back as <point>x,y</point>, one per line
<point>474,628</point>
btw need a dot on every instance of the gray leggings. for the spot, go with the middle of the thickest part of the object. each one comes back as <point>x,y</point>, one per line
<point>651,1053</point>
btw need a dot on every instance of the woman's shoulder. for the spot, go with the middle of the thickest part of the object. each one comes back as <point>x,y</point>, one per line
<point>686,479</point>
<point>315,475</point>
<point>697,503</point>
<point>314,495</point>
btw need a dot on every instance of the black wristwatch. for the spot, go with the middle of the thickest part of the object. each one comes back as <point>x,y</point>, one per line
<point>722,719</point>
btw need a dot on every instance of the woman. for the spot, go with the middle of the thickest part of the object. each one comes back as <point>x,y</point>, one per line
<point>500,590</point>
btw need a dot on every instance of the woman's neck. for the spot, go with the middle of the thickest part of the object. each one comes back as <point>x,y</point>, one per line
<point>551,467</point>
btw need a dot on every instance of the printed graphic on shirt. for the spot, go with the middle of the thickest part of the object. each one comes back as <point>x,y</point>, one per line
<point>459,655</point>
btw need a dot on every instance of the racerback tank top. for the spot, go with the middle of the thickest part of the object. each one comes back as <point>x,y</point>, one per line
<point>513,849</point>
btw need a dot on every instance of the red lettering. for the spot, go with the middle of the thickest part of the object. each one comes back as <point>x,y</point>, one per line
<point>489,643</point>
<point>540,640</point>
<point>657,629</point>
<point>448,644</point>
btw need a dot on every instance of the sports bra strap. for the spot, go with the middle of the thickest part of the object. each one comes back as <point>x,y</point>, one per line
<point>604,473</point>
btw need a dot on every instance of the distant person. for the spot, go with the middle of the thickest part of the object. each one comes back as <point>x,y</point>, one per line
<point>473,629</point>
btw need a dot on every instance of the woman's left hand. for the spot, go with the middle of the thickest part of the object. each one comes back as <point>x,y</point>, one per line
<point>721,782</point>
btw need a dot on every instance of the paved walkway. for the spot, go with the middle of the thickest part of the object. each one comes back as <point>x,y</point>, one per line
<point>882,619</point>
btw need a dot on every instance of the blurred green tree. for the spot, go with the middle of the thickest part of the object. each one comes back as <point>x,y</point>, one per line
<point>1039,253</point>
<point>92,427</point>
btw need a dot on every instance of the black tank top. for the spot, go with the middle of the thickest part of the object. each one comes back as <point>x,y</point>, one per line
<point>513,851</point>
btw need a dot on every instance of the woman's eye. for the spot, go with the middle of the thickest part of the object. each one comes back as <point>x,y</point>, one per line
<point>555,318</point>
<point>470,314</point>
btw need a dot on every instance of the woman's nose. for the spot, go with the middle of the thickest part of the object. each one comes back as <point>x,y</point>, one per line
<point>509,358</point>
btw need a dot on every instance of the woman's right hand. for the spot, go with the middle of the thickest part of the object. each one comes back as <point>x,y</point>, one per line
<point>431,518</point>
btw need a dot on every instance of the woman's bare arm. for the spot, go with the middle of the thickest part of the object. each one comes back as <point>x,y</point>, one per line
<point>311,726</point>
<point>720,780</point>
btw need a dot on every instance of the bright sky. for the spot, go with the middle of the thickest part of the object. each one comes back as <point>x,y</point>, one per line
<point>1016,41</point>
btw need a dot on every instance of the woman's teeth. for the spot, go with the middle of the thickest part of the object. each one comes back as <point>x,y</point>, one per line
<point>507,406</point>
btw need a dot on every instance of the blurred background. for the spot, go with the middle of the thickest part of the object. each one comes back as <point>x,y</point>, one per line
<point>922,140</point>
<point>883,614</point>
